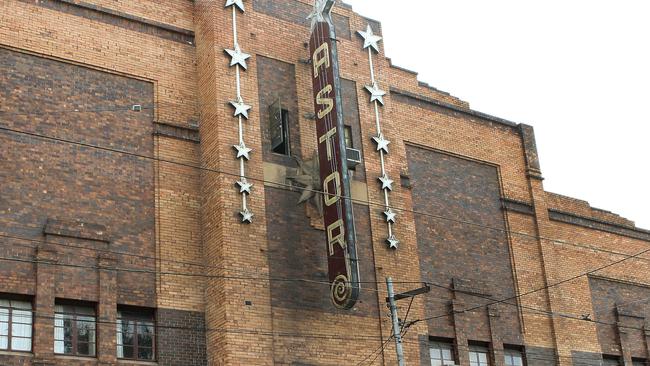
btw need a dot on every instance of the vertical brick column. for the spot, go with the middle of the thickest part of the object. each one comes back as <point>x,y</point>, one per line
<point>624,341</point>
<point>43,337</point>
<point>458,318</point>
<point>496,335</point>
<point>107,310</point>
<point>551,262</point>
<point>229,246</point>
<point>646,334</point>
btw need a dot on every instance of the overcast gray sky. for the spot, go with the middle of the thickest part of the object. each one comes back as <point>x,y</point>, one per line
<point>576,70</point>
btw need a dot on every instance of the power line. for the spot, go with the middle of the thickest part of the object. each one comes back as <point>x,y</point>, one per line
<point>290,186</point>
<point>134,107</point>
<point>636,256</point>
<point>541,288</point>
<point>377,351</point>
<point>278,279</point>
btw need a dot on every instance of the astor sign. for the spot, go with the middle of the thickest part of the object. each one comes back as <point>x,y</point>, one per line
<point>338,216</point>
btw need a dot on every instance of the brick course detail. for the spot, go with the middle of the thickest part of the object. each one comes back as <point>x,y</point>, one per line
<point>157,226</point>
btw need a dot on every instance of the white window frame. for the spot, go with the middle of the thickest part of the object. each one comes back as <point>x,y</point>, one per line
<point>475,353</point>
<point>510,354</point>
<point>441,347</point>
<point>16,326</point>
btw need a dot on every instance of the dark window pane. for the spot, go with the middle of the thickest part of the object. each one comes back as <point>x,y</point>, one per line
<point>145,340</point>
<point>83,348</point>
<point>128,339</point>
<point>145,353</point>
<point>67,347</point>
<point>128,352</point>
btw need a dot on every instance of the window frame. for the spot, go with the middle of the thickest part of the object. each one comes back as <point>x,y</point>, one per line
<point>610,359</point>
<point>75,329</point>
<point>348,136</point>
<point>442,345</point>
<point>137,317</point>
<point>513,351</point>
<point>479,350</point>
<point>10,322</point>
<point>285,129</point>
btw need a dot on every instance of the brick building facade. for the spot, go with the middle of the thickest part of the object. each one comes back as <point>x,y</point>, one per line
<point>121,241</point>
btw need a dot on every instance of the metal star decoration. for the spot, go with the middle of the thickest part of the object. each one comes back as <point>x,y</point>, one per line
<point>386,183</point>
<point>242,151</point>
<point>237,57</point>
<point>392,242</point>
<point>237,3</point>
<point>370,39</point>
<point>241,108</point>
<point>244,186</point>
<point>246,216</point>
<point>376,93</point>
<point>390,215</point>
<point>321,13</point>
<point>307,178</point>
<point>382,143</point>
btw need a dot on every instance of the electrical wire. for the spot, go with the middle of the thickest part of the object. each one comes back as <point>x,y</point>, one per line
<point>290,186</point>
<point>635,256</point>
<point>255,277</point>
<point>377,351</point>
<point>325,283</point>
<point>541,288</point>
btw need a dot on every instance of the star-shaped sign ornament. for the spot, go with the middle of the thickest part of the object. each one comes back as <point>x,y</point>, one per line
<point>243,151</point>
<point>370,39</point>
<point>244,186</point>
<point>237,3</point>
<point>241,108</point>
<point>321,13</point>
<point>376,93</point>
<point>390,215</point>
<point>392,242</point>
<point>246,216</point>
<point>382,143</point>
<point>386,183</point>
<point>237,57</point>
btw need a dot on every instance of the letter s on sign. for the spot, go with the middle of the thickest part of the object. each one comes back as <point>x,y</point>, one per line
<point>327,102</point>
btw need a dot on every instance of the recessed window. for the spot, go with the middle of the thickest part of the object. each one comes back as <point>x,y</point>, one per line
<point>513,357</point>
<point>610,360</point>
<point>15,325</point>
<point>639,362</point>
<point>478,356</point>
<point>136,335</point>
<point>349,143</point>
<point>279,128</point>
<point>441,353</point>
<point>75,330</point>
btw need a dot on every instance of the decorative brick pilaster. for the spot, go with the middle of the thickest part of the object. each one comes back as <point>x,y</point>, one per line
<point>623,337</point>
<point>43,340</point>
<point>496,337</point>
<point>458,318</point>
<point>107,309</point>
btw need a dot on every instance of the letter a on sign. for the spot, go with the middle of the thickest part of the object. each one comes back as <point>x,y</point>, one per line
<point>338,219</point>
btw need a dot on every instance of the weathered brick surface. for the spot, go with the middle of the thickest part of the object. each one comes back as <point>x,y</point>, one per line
<point>618,302</point>
<point>181,338</point>
<point>183,222</point>
<point>277,81</point>
<point>466,191</point>
<point>297,12</point>
<point>74,183</point>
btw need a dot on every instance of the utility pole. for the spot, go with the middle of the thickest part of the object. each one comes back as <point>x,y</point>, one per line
<point>392,304</point>
<point>391,300</point>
